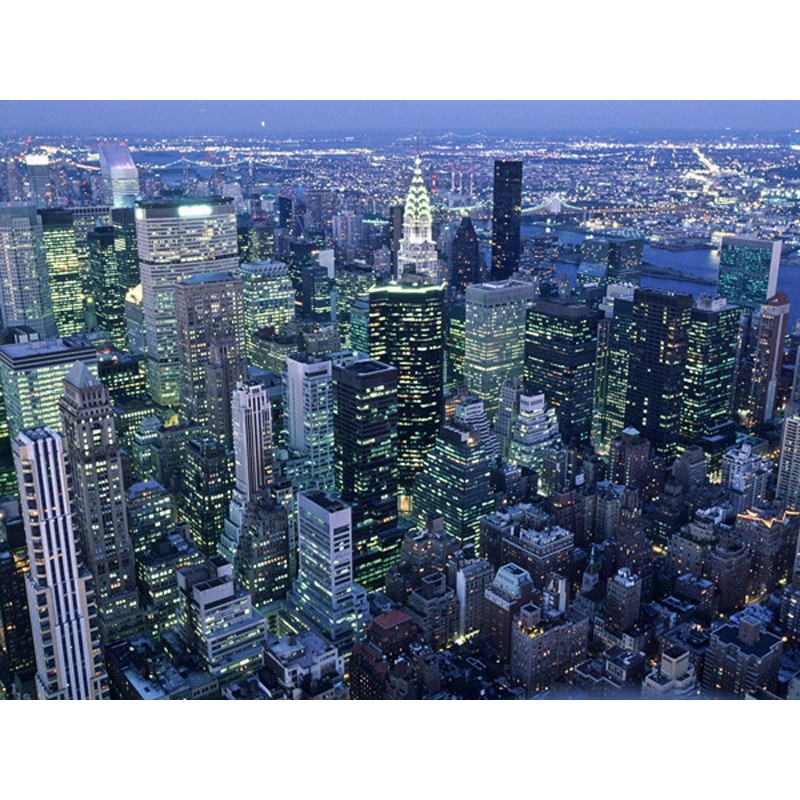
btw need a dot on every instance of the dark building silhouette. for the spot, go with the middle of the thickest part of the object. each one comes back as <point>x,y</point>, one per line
<point>465,258</point>
<point>659,350</point>
<point>506,214</point>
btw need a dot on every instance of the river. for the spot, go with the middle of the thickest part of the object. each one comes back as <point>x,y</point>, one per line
<point>703,263</point>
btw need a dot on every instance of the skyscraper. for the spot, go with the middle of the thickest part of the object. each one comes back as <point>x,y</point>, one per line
<point>761,361</point>
<point>123,221</point>
<point>308,401</point>
<point>252,456</point>
<point>63,270</point>
<point>102,522</point>
<point>417,251</point>
<point>405,331</point>
<point>560,356</point>
<point>211,351</point>
<point>710,367</point>
<point>494,337</point>
<point>176,239</point>
<point>120,176</point>
<point>455,315</point>
<point>24,288</point>
<point>748,270</point>
<point>456,483</point>
<point>365,442</point>
<point>788,488</point>
<point>614,336</point>
<point>325,595</point>
<point>40,180</point>
<point>262,564</point>
<point>107,286</point>
<point>465,263</point>
<point>32,375</point>
<point>268,298</point>
<point>535,429</point>
<point>69,661</point>
<point>395,234</point>
<point>506,214</point>
<point>206,491</point>
<point>659,350</point>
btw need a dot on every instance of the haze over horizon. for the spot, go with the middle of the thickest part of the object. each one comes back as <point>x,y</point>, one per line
<point>251,118</point>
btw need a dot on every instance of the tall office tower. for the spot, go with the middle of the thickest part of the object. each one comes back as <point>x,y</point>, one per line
<point>25,297</point>
<point>405,330</point>
<point>359,325</point>
<point>417,253</point>
<point>206,492</point>
<point>211,349</point>
<point>560,355</point>
<point>69,660</point>
<point>396,213</point>
<point>63,270</point>
<point>456,483</point>
<point>614,336</point>
<point>150,514</point>
<point>251,412</point>
<point>300,254</point>
<point>176,239</point>
<point>365,447</point>
<point>506,214</point>
<point>308,394</point>
<point>84,220</point>
<point>91,440</point>
<point>745,475</point>
<point>623,601</point>
<point>455,317</point>
<point>217,621</point>
<point>465,257</point>
<point>510,393</point>
<point>107,288</point>
<point>40,181</point>
<point>123,220</point>
<point>470,410</point>
<point>325,594</point>
<point>535,430</point>
<point>348,233</point>
<point>320,204</point>
<point>788,488</point>
<point>352,283</point>
<point>285,212</point>
<point>32,375</point>
<point>262,564</point>
<point>748,270</point>
<point>120,176</point>
<point>134,319</point>
<point>761,361</point>
<point>316,294</point>
<point>494,337</point>
<point>658,365</point>
<point>268,298</point>
<point>710,367</point>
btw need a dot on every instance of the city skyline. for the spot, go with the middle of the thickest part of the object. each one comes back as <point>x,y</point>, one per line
<point>436,416</point>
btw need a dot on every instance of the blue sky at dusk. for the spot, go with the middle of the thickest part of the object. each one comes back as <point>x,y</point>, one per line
<point>332,116</point>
